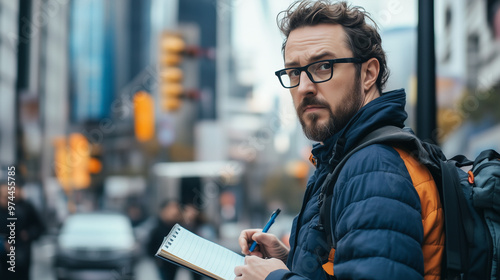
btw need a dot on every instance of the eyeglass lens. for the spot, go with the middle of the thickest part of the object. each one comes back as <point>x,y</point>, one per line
<point>320,71</point>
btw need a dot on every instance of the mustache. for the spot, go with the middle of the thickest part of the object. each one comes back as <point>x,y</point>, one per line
<point>311,101</point>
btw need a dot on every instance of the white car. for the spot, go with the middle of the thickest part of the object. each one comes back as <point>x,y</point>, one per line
<point>95,246</point>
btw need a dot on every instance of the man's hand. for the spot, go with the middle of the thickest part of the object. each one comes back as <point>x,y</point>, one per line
<point>269,246</point>
<point>257,268</point>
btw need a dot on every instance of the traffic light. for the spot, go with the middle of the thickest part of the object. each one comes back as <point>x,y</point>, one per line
<point>80,158</point>
<point>171,48</point>
<point>73,163</point>
<point>144,116</point>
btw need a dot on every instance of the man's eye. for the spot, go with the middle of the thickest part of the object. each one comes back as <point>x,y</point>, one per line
<point>324,66</point>
<point>293,73</point>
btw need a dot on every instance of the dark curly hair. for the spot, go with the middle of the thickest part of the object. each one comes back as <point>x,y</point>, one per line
<point>363,39</point>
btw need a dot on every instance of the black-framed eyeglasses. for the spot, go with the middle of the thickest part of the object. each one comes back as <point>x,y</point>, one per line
<point>318,72</point>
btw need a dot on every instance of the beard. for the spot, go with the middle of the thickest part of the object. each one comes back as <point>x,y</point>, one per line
<point>345,110</point>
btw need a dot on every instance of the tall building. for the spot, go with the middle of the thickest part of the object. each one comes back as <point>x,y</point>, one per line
<point>91,55</point>
<point>467,44</point>
<point>49,80</point>
<point>468,51</point>
<point>34,90</point>
<point>9,37</point>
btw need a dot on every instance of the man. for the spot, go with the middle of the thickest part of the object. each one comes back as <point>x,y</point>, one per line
<point>28,228</point>
<point>384,225</point>
<point>170,213</point>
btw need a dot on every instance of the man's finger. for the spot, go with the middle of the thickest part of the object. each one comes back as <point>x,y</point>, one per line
<point>238,270</point>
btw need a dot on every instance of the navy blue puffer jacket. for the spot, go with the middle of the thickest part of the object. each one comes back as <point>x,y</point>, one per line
<point>375,213</point>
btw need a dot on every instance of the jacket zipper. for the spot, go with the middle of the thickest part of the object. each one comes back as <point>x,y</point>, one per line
<point>299,218</point>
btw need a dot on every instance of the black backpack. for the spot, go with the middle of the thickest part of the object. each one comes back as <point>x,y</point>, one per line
<point>470,200</point>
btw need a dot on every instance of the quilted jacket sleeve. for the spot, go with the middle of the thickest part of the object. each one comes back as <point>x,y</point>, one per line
<point>376,211</point>
<point>377,214</point>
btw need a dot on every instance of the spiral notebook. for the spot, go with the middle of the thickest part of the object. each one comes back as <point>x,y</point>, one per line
<point>194,252</point>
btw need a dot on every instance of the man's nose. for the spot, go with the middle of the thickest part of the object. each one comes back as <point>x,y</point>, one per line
<point>306,86</point>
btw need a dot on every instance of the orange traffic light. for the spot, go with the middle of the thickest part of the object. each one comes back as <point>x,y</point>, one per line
<point>170,59</point>
<point>144,116</point>
<point>171,48</point>
<point>172,91</point>
<point>72,162</point>
<point>171,104</point>
<point>95,166</point>
<point>172,42</point>
<point>171,75</point>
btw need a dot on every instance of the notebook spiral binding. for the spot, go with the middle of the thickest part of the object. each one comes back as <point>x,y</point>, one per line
<point>177,230</point>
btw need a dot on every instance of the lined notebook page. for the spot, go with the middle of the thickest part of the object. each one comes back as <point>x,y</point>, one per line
<point>201,252</point>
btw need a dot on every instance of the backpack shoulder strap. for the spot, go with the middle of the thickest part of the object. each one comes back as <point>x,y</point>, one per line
<point>458,221</point>
<point>386,135</point>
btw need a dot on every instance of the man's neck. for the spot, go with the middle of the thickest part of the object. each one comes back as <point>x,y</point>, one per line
<point>371,95</point>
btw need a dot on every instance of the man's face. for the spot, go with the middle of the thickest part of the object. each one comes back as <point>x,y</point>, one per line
<point>171,212</point>
<point>323,108</point>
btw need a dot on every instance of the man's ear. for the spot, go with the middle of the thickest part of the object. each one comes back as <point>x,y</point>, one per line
<point>370,70</point>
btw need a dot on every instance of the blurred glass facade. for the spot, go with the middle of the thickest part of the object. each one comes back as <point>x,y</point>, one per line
<point>9,12</point>
<point>92,39</point>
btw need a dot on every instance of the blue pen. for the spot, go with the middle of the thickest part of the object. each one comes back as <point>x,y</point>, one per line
<point>267,226</point>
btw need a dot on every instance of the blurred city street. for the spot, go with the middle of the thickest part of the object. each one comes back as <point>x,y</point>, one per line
<point>43,254</point>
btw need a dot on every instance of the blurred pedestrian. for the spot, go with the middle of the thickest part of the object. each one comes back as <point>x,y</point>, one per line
<point>136,213</point>
<point>197,222</point>
<point>169,214</point>
<point>20,226</point>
